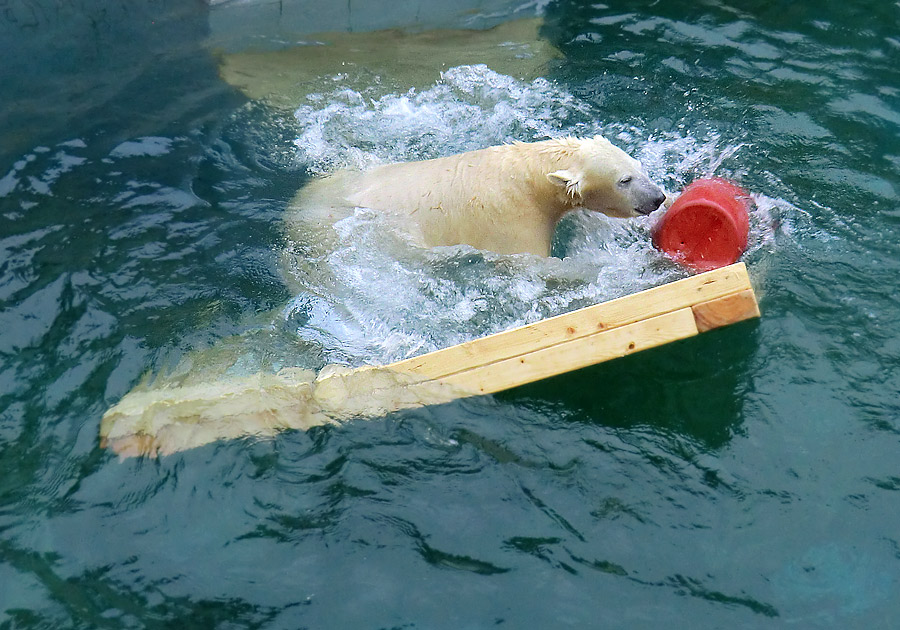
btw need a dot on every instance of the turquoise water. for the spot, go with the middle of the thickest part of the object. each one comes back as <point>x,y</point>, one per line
<point>746,478</point>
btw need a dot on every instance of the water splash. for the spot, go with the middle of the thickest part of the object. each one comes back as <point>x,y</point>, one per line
<point>469,108</point>
<point>382,299</point>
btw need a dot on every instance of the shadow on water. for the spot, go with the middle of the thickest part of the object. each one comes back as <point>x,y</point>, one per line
<point>691,387</point>
<point>98,601</point>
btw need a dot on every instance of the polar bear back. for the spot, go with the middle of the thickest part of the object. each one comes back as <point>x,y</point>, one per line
<point>492,199</point>
<point>507,199</point>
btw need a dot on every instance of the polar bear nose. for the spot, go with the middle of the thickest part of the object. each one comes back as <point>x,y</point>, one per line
<point>653,202</point>
<point>659,199</point>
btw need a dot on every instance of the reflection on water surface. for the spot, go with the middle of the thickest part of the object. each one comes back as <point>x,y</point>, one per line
<point>739,478</point>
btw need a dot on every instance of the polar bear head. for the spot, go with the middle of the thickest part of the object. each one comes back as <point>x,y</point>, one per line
<point>603,178</point>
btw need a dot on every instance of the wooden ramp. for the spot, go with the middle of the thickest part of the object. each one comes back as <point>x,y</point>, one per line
<point>592,335</point>
<point>164,420</point>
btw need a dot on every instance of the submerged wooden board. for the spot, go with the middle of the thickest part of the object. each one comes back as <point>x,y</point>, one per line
<point>168,419</point>
<point>402,60</point>
<point>592,335</point>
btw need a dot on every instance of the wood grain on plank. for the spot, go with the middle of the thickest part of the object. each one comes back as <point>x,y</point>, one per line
<point>576,354</point>
<point>582,323</point>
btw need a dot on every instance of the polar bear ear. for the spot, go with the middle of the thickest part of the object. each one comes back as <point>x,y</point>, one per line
<point>570,180</point>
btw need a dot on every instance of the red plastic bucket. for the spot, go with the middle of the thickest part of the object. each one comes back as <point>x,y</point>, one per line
<point>707,226</point>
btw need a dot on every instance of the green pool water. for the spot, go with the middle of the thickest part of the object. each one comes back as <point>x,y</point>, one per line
<point>748,478</point>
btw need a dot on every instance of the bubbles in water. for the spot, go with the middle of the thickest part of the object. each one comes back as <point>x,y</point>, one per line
<point>470,108</point>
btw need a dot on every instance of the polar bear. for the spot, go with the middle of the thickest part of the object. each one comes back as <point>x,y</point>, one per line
<point>507,199</point>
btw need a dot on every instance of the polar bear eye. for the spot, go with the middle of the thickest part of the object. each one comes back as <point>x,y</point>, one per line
<point>625,180</point>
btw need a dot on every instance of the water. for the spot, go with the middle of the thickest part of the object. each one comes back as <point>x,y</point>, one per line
<point>746,478</point>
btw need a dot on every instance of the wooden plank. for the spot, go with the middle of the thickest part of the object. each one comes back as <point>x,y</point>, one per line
<point>576,353</point>
<point>585,322</point>
<point>726,310</point>
<point>173,419</point>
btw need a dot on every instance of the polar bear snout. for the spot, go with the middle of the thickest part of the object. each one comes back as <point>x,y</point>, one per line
<point>650,199</point>
<point>638,195</point>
